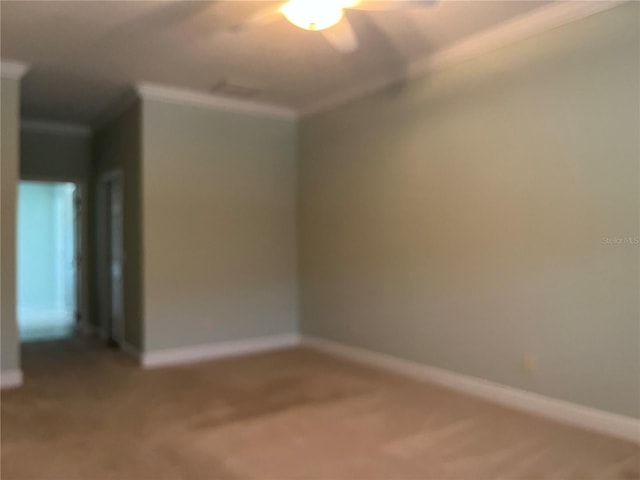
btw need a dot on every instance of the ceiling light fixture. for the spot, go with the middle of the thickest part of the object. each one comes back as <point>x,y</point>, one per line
<point>314,14</point>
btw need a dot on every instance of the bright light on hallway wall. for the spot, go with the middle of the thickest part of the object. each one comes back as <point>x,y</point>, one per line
<point>46,259</point>
<point>315,14</point>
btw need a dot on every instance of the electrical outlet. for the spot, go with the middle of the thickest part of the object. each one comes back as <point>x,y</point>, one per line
<point>529,363</point>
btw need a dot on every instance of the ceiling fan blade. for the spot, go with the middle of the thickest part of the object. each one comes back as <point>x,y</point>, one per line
<point>263,17</point>
<point>374,5</point>
<point>342,36</point>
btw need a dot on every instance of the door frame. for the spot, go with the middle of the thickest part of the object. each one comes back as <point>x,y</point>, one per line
<point>104,288</point>
<point>82,241</point>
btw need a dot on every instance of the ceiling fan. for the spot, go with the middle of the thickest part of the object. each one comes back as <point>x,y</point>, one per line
<point>327,17</point>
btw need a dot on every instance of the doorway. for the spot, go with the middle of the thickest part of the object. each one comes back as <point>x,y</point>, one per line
<point>49,248</point>
<point>112,296</point>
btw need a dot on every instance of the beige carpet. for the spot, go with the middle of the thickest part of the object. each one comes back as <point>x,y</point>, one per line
<point>89,413</point>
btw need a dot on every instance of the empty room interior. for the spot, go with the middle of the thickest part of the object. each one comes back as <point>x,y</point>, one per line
<point>320,240</point>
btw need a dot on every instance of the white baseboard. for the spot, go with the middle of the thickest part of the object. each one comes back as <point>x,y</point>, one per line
<point>10,378</point>
<point>562,411</point>
<point>178,356</point>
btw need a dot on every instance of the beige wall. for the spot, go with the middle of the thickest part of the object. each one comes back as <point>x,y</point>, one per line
<point>458,221</point>
<point>117,147</point>
<point>9,144</point>
<point>219,225</point>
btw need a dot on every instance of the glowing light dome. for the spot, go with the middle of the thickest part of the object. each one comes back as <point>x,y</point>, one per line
<point>314,14</point>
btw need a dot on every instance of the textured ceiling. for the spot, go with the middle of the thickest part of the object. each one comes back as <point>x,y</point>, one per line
<point>83,55</point>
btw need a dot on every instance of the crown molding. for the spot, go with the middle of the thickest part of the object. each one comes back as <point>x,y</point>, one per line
<point>115,109</point>
<point>13,70</point>
<point>352,92</point>
<point>181,96</point>
<point>55,128</point>
<point>511,31</point>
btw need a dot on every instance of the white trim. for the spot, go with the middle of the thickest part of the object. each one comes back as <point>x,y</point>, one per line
<point>55,128</point>
<point>13,70</point>
<point>523,26</point>
<point>11,378</point>
<point>178,356</point>
<point>114,110</point>
<point>52,179</point>
<point>352,92</point>
<point>562,411</point>
<point>190,97</point>
<point>511,31</point>
<point>106,180</point>
<point>105,311</point>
